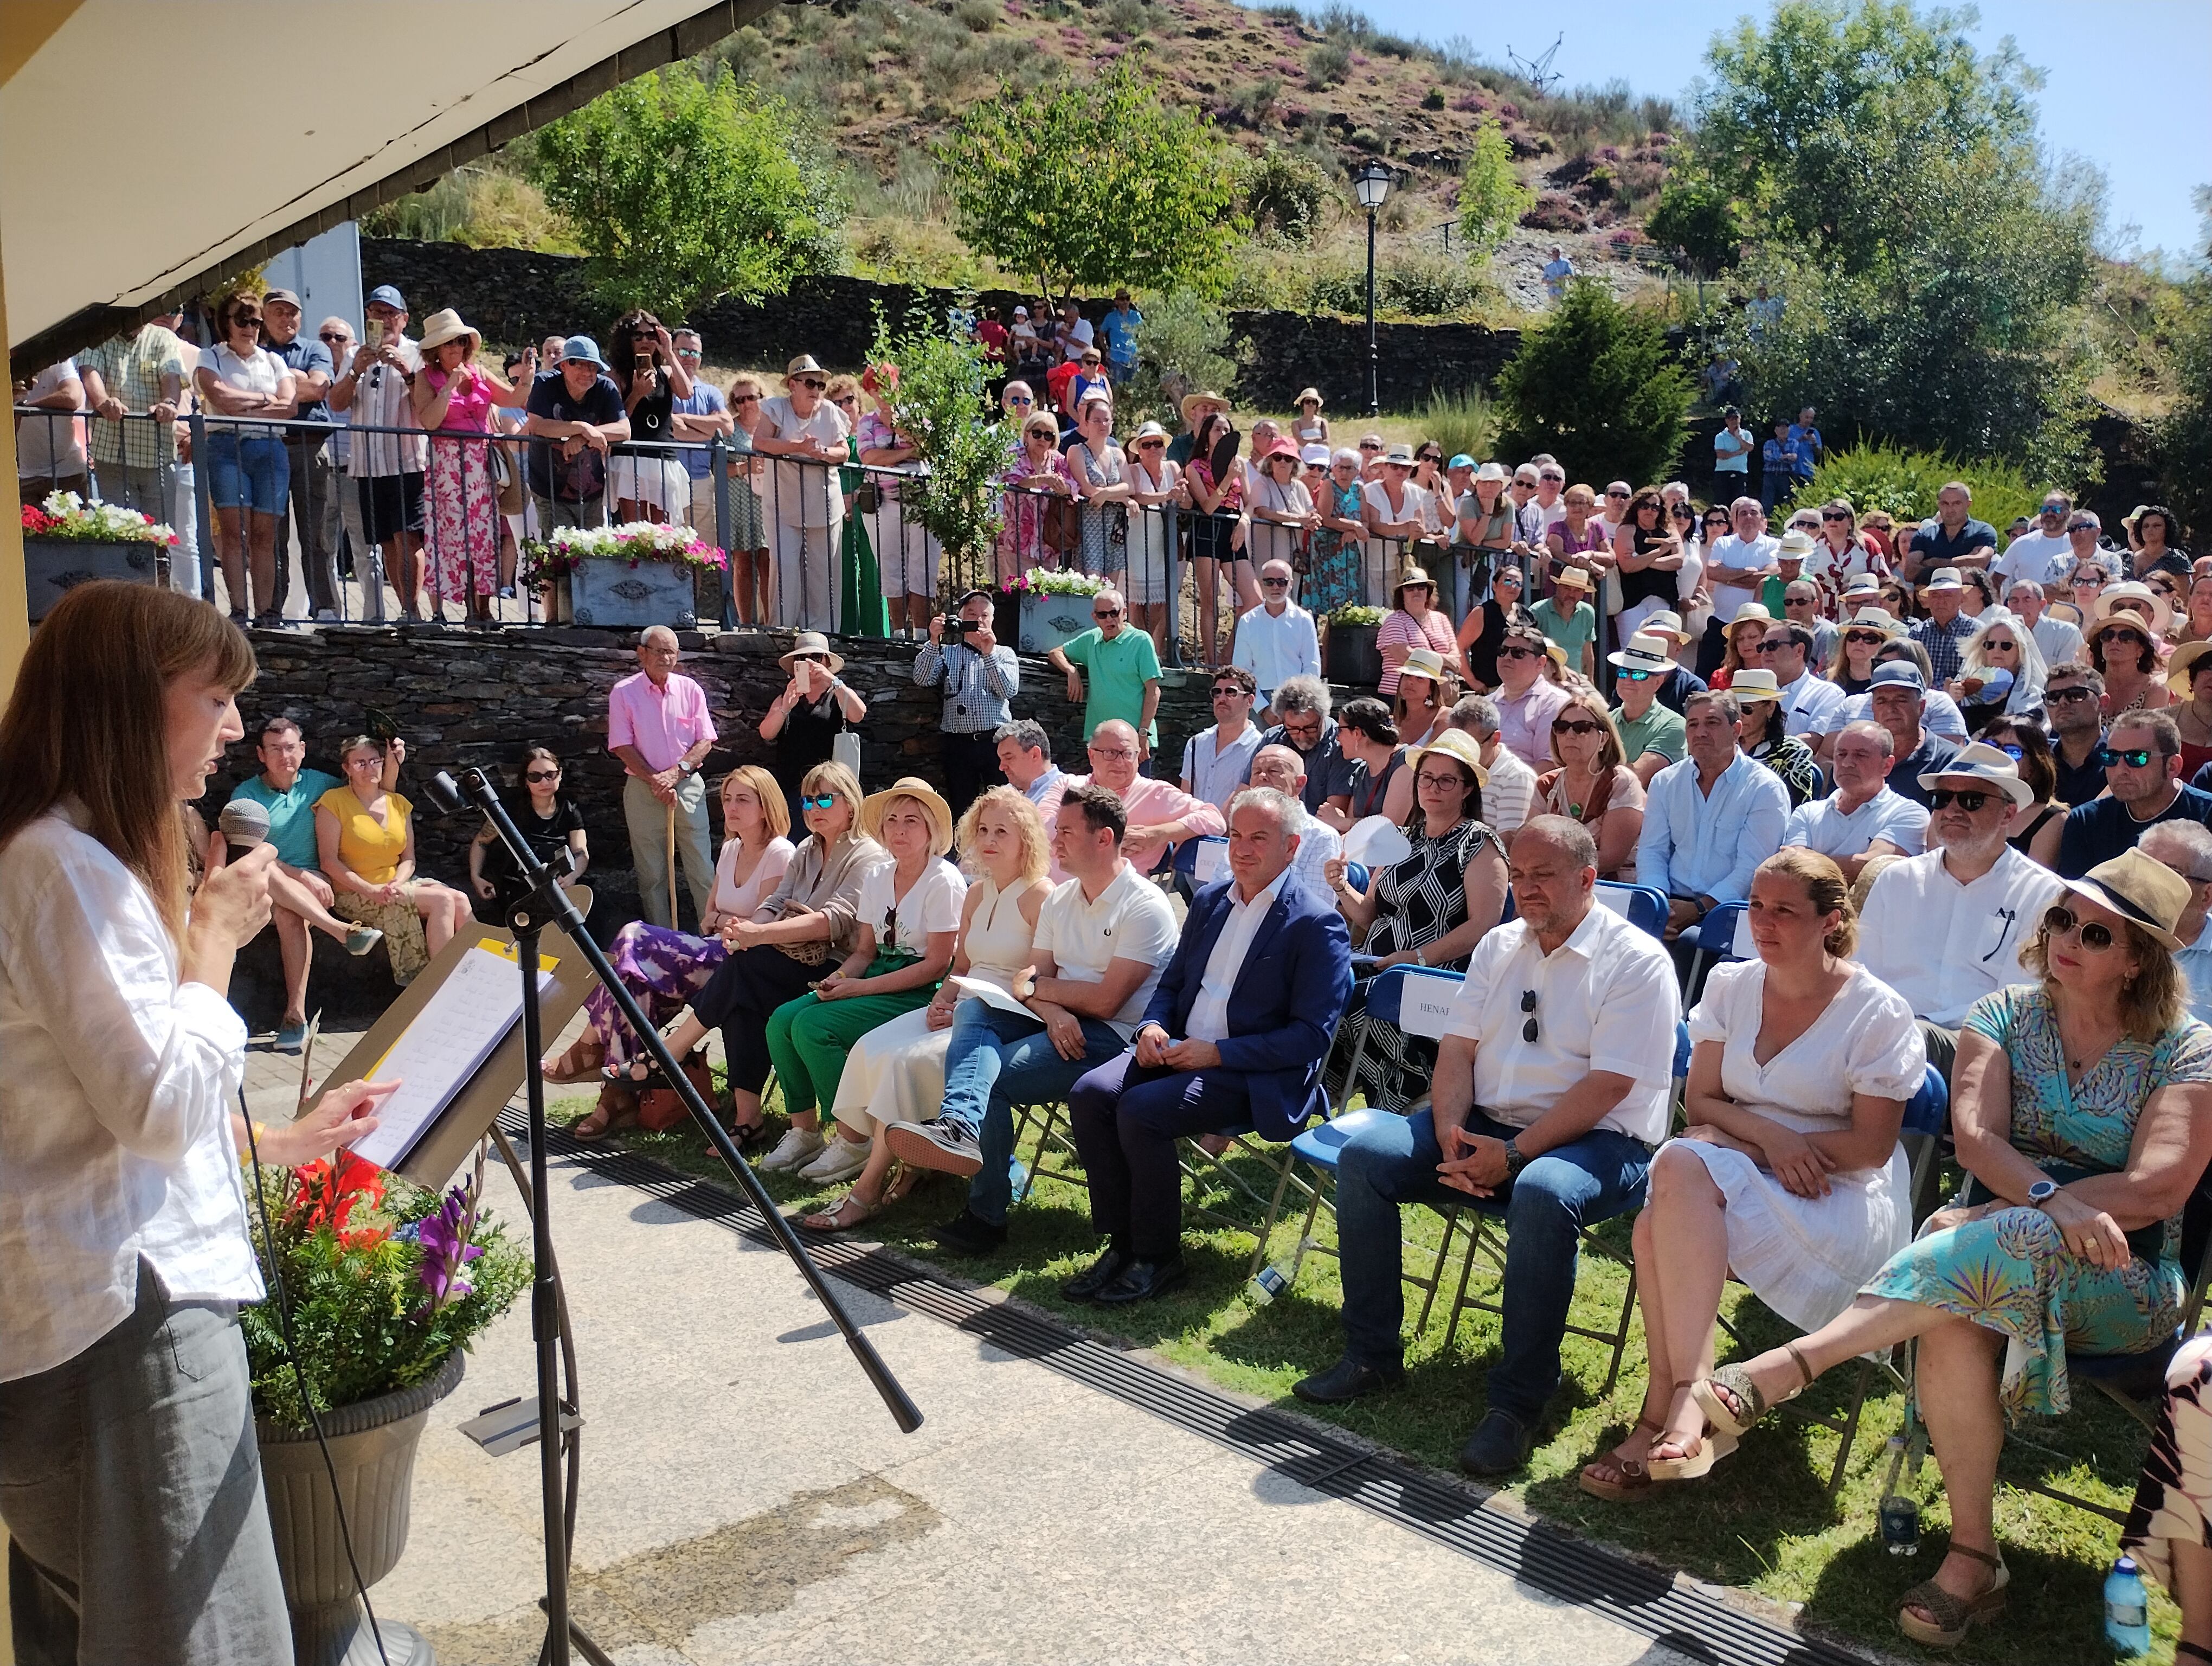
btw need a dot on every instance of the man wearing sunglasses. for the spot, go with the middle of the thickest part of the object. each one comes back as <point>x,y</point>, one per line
<point>2074,694</point>
<point>1277,640</point>
<point>1946,928</point>
<point>2186,849</point>
<point>2141,757</point>
<point>1124,672</point>
<point>807,434</point>
<point>1651,734</point>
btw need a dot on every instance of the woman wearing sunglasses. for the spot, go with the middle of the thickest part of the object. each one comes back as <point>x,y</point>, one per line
<point>1868,630</point>
<point>2081,1109</point>
<point>550,824</point>
<point>1593,784</point>
<point>2124,646</point>
<point>2036,825</point>
<point>2001,673</point>
<point>249,471</point>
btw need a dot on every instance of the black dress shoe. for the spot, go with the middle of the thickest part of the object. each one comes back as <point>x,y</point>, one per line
<point>970,1234</point>
<point>1499,1446</point>
<point>1085,1285</point>
<point>1141,1281</point>
<point>1347,1380</point>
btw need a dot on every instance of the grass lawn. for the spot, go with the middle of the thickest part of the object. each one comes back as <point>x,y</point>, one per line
<point>1762,1521</point>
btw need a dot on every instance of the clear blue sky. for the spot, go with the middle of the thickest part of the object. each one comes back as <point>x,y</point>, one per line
<point>2126,83</point>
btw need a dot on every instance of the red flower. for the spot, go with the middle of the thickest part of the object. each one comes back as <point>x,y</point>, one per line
<point>329,1189</point>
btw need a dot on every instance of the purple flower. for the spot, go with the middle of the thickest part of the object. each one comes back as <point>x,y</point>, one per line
<point>445,1249</point>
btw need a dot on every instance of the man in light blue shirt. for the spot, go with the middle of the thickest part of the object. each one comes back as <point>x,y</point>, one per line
<point>1863,819</point>
<point>1711,819</point>
<point>1118,327</point>
<point>2186,848</point>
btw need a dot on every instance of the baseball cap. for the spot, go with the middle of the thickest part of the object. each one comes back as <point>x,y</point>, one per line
<point>288,299</point>
<point>1896,672</point>
<point>384,294</point>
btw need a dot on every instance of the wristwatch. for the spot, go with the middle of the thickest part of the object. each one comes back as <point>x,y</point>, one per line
<point>1515,1162</point>
<point>2041,1193</point>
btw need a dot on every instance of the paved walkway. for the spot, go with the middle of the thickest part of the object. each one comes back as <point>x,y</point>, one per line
<point>746,1497</point>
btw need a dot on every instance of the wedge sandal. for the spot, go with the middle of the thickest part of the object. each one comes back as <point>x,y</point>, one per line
<point>1751,1405</point>
<point>1954,1615</point>
<point>1633,1482</point>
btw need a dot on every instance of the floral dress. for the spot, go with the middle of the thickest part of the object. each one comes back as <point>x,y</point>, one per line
<point>1333,580</point>
<point>463,512</point>
<point>1419,900</point>
<point>1794,765</point>
<point>1104,549</point>
<point>2009,1270</point>
<point>1021,538</point>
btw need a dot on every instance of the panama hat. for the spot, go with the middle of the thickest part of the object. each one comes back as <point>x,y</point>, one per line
<point>1576,578</point>
<point>1668,623</point>
<point>2178,668</point>
<point>877,806</point>
<point>1876,618</point>
<point>1754,684</point>
<point>1412,575</point>
<point>1494,471</point>
<point>1460,746</point>
<point>1191,400</point>
<point>1401,452</point>
<point>804,365</point>
<point>1795,545</point>
<point>1751,613</point>
<point>812,641</point>
<point>441,327</point>
<point>2140,888</point>
<point>2114,596</point>
<point>1424,662</point>
<point>1982,763</point>
<point>1644,652</point>
<point>1305,393</point>
<point>1944,578</point>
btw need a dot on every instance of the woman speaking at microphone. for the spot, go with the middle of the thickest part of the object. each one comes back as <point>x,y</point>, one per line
<point>129,1481</point>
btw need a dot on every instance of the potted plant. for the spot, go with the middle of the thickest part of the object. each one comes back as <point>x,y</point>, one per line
<point>68,542</point>
<point>624,577</point>
<point>372,1268</point>
<point>1055,605</point>
<point>1353,657</point>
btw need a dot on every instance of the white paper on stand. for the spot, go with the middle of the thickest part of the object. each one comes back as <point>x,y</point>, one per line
<point>1211,859</point>
<point>464,1019</point>
<point>1376,841</point>
<point>989,993</point>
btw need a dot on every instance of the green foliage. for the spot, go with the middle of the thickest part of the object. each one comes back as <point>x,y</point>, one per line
<point>1094,183</point>
<point>941,390</point>
<point>1596,386</point>
<point>1492,199</point>
<point>1286,195</point>
<point>1879,474</point>
<point>2184,435</point>
<point>684,191</point>
<point>1326,64</point>
<point>1909,220</point>
<point>1697,220</point>
<point>1462,422</point>
<point>1186,345</point>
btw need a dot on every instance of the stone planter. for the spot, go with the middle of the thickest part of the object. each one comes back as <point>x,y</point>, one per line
<point>373,1448</point>
<point>54,566</point>
<point>1049,620</point>
<point>1353,657</point>
<point>611,594</point>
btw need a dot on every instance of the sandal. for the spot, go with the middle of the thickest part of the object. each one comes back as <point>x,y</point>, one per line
<point>1633,1484</point>
<point>1751,1405</point>
<point>2193,1650</point>
<point>629,1075</point>
<point>1954,1615</point>
<point>616,1108</point>
<point>580,1063</point>
<point>850,1212</point>
<point>1711,1447</point>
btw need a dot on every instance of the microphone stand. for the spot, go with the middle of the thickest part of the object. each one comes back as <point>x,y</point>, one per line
<point>548,903</point>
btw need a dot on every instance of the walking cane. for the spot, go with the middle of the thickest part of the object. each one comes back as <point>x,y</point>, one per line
<point>670,808</point>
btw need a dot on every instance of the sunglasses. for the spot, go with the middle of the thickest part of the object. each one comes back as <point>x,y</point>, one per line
<point>1563,726</point>
<point>814,382</point>
<point>1633,676</point>
<point>2095,938</point>
<point>336,335</point>
<point>543,774</point>
<point>2000,647</point>
<point>2070,696</point>
<point>2136,637</point>
<point>1519,653</point>
<point>1865,638</point>
<point>1619,494</point>
<point>1770,648</point>
<point>1151,445</point>
<point>809,658</point>
<point>744,399</point>
<point>826,801</point>
<point>249,319</point>
<point>1969,801</point>
<point>1528,1031</point>
<point>1825,516</point>
<point>1105,612</point>
<point>1227,691</point>
<point>1019,399</point>
<point>2013,752</point>
<point>1369,445</point>
<point>687,352</point>
<point>2135,758</point>
<point>1269,584</point>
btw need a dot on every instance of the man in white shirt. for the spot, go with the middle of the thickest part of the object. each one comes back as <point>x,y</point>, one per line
<point>1233,1042</point>
<point>1735,565</point>
<point>1711,819</point>
<point>1511,789</point>
<point>1551,1092</point>
<point>2045,555</point>
<point>1319,844</point>
<point>1863,819</point>
<point>2186,848</point>
<point>1809,699</point>
<point>1074,331</point>
<point>1945,929</point>
<point>2059,640</point>
<point>1277,640</point>
<point>1101,941</point>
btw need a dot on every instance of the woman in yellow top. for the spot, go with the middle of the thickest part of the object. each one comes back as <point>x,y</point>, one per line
<point>366,836</point>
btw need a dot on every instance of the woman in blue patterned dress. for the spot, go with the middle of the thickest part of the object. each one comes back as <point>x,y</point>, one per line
<point>1332,566</point>
<point>2082,1107</point>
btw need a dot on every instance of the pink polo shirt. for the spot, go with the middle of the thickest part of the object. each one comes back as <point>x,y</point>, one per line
<point>663,723</point>
<point>1151,802</point>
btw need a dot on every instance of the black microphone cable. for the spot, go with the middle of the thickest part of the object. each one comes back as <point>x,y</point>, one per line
<point>299,1378</point>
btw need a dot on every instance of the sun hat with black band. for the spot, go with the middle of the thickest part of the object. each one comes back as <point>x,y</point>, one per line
<point>2179,668</point>
<point>1984,765</point>
<point>1424,662</point>
<point>2142,890</point>
<point>1754,684</point>
<point>877,806</point>
<point>2111,600</point>
<point>1877,618</point>
<point>1644,652</point>
<point>1411,577</point>
<point>812,641</point>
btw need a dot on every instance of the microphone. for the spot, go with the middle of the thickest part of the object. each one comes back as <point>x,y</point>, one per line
<point>243,824</point>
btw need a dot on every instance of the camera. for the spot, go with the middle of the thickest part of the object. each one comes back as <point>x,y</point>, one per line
<point>957,626</point>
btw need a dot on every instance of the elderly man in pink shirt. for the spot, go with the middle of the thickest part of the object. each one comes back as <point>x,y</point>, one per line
<point>1161,813</point>
<point>658,725</point>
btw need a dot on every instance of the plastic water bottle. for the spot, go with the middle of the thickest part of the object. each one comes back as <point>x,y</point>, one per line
<point>1270,1282</point>
<point>1017,1178</point>
<point>2127,1609</point>
<point>1901,1510</point>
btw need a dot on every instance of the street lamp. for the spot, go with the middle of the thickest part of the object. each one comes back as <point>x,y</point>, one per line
<point>1371,185</point>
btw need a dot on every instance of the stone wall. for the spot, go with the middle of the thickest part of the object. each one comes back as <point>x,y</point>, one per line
<point>517,295</point>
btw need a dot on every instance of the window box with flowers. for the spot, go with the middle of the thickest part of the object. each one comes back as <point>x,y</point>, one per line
<point>625,577</point>
<point>388,1285</point>
<point>1055,606</point>
<point>68,542</point>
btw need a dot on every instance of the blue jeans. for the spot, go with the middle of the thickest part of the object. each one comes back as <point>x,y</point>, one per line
<point>247,471</point>
<point>1568,1187</point>
<point>996,1060</point>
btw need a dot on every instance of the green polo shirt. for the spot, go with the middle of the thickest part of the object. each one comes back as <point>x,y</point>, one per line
<point>291,813</point>
<point>1115,673</point>
<point>1659,730</point>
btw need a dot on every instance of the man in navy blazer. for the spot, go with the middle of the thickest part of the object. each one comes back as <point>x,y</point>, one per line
<point>1234,1037</point>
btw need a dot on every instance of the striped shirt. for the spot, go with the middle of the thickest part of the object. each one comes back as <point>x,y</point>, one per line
<point>380,400</point>
<point>133,367</point>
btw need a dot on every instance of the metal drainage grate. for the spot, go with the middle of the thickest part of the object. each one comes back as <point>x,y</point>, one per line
<point>1642,1599</point>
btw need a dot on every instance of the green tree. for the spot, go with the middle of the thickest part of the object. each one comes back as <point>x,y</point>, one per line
<point>1094,183</point>
<point>2184,434</point>
<point>684,191</point>
<point>1492,199</point>
<point>1185,347</point>
<point>941,390</point>
<point>1285,195</point>
<point>1595,385</point>
<point>1910,224</point>
<point>1696,219</point>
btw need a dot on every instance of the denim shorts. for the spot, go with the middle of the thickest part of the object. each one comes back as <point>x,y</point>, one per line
<point>247,471</point>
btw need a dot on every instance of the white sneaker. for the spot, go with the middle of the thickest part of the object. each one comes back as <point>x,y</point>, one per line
<point>796,1146</point>
<point>840,1159</point>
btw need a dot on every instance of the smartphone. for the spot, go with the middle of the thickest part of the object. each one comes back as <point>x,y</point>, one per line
<point>643,361</point>
<point>376,332</point>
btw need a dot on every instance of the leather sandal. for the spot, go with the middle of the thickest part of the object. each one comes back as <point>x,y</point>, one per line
<point>1954,1615</point>
<point>850,1211</point>
<point>1634,1482</point>
<point>616,1108</point>
<point>1751,1405</point>
<point>579,1063</point>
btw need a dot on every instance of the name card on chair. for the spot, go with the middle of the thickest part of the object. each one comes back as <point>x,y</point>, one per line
<point>1426,1007</point>
<point>1212,859</point>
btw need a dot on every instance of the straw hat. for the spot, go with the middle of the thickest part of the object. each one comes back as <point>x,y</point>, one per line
<point>1795,545</point>
<point>1944,578</point>
<point>1982,763</point>
<point>1493,472</point>
<point>1192,400</point>
<point>1401,452</point>
<point>804,365</point>
<point>1665,623</point>
<point>2178,669</point>
<point>1424,662</point>
<point>1576,578</point>
<point>1460,746</point>
<point>441,327</point>
<point>1750,613</point>
<point>877,806</point>
<point>1412,575</point>
<point>2130,590</point>
<point>2142,889</point>
<point>1753,684</point>
<point>812,641</point>
<point>1644,652</point>
<point>1876,618</point>
<point>1305,393</point>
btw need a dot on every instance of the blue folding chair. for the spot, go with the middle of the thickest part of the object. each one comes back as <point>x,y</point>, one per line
<point>1711,939</point>
<point>1642,906</point>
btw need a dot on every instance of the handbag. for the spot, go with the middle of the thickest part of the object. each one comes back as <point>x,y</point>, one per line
<point>1060,521</point>
<point>662,1107</point>
<point>867,497</point>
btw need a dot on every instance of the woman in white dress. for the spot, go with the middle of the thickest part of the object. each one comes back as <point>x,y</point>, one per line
<point>896,1072</point>
<point>1789,1175</point>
